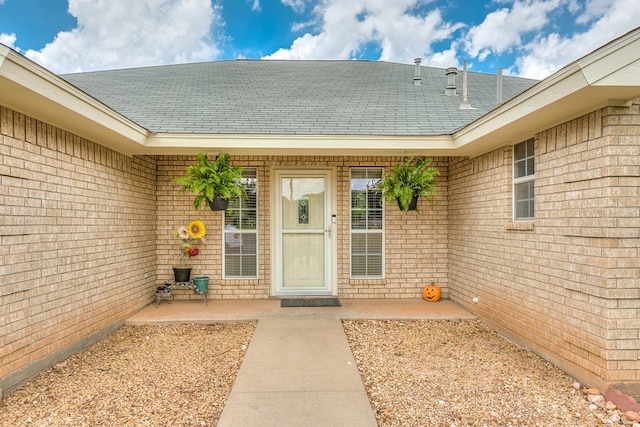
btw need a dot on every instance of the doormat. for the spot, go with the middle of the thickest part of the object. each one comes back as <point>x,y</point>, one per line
<point>310,302</point>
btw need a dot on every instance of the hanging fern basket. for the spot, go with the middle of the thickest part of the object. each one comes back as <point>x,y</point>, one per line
<point>219,204</point>
<point>408,181</point>
<point>212,182</point>
<point>413,204</point>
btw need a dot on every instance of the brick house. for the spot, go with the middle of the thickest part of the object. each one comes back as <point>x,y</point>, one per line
<point>538,213</point>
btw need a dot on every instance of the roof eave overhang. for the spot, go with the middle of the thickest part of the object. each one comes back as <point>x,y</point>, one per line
<point>29,89</point>
<point>312,145</point>
<point>609,76</point>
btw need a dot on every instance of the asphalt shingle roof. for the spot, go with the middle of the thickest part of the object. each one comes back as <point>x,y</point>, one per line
<point>294,97</point>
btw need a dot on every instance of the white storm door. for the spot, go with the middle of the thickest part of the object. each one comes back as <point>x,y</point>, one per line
<point>303,261</point>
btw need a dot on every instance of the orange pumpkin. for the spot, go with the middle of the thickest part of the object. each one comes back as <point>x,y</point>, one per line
<point>431,293</point>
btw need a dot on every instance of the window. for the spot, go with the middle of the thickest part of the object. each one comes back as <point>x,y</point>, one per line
<point>241,231</point>
<point>367,223</point>
<point>523,179</point>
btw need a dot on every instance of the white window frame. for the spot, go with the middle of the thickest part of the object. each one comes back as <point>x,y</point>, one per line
<point>366,231</point>
<point>241,232</point>
<point>523,180</point>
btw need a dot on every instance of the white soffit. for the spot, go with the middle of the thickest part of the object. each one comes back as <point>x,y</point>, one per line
<point>34,91</point>
<point>608,76</point>
<point>316,145</point>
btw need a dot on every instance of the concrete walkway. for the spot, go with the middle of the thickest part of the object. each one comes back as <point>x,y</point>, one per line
<point>298,369</point>
<point>298,372</point>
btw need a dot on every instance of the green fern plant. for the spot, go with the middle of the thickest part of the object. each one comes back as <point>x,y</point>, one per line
<point>208,180</point>
<point>413,178</point>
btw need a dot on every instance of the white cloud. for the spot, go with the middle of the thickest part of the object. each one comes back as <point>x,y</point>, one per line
<point>8,39</point>
<point>573,6</point>
<point>593,9</point>
<point>502,30</point>
<point>296,5</point>
<point>545,55</point>
<point>347,27</point>
<point>125,33</point>
<point>299,26</point>
<point>442,59</point>
<point>521,36</point>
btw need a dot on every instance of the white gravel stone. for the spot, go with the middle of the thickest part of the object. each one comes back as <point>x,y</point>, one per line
<point>177,375</point>
<point>615,418</point>
<point>410,367</point>
<point>416,373</point>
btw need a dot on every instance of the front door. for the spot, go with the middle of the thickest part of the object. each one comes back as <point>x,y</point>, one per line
<point>303,234</point>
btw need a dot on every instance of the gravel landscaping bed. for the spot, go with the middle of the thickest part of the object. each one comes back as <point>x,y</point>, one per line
<point>174,375</point>
<point>446,374</point>
<point>416,373</point>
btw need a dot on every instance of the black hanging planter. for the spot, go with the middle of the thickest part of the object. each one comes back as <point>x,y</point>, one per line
<point>181,274</point>
<point>413,204</point>
<point>219,204</point>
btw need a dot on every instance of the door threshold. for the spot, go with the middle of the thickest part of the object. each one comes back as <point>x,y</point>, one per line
<point>280,297</point>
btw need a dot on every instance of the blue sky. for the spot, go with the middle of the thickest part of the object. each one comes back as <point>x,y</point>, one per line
<point>530,38</point>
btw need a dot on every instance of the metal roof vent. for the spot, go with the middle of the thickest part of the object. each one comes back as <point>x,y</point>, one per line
<point>417,80</point>
<point>450,90</point>
<point>499,87</point>
<point>465,102</point>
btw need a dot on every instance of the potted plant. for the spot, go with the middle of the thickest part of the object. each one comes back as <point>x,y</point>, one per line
<point>408,181</point>
<point>213,182</point>
<point>190,238</point>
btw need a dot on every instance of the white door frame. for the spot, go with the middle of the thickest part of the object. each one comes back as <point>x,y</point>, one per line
<point>330,231</point>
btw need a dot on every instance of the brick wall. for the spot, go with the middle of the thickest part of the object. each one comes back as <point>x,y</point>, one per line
<point>566,284</point>
<point>77,239</point>
<point>175,210</point>
<point>85,234</point>
<point>416,242</point>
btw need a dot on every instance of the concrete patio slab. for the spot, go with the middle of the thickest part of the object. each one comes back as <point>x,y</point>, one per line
<point>172,311</point>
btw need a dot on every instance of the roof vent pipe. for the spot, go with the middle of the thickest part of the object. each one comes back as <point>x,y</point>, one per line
<point>450,90</point>
<point>499,90</point>
<point>465,103</point>
<point>417,80</point>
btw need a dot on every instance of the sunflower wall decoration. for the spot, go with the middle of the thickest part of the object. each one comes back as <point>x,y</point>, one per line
<point>191,237</point>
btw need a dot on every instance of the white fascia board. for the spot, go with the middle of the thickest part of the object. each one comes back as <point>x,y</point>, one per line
<point>616,64</point>
<point>341,145</point>
<point>501,125</point>
<point>607,76</point>
<point>627,76</point>
<point>36,92</point>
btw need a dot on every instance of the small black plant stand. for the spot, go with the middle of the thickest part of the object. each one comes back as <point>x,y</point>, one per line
<point>165,291</point>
